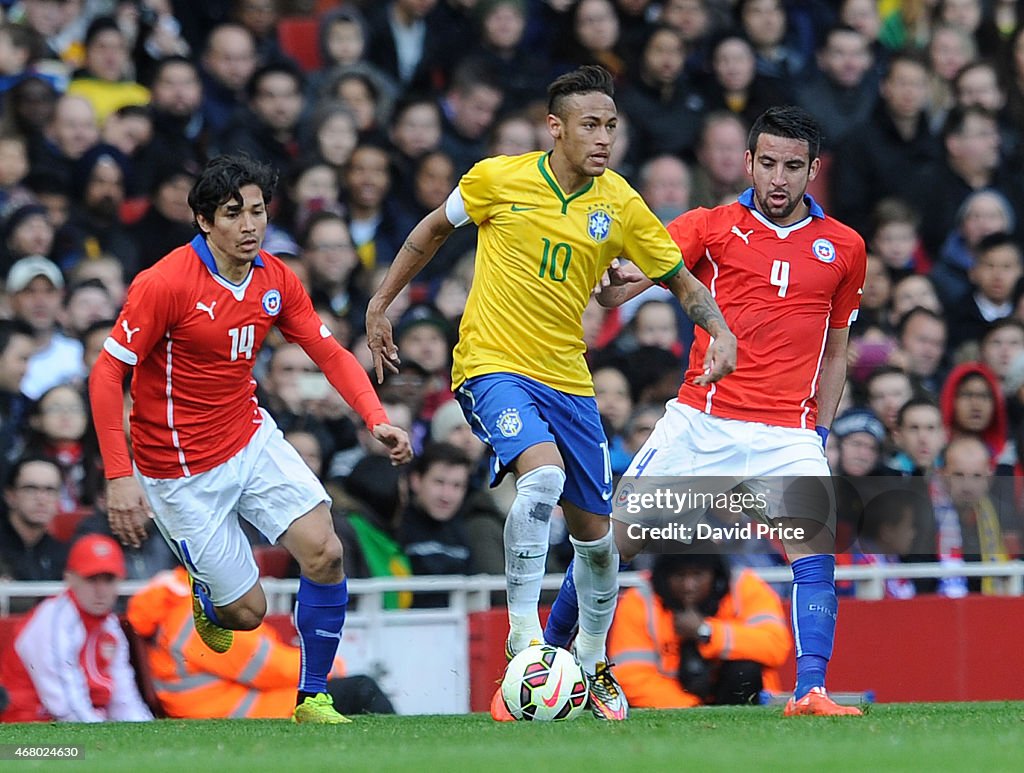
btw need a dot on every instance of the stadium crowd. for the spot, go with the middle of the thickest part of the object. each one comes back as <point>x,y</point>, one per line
<point>371,111</point>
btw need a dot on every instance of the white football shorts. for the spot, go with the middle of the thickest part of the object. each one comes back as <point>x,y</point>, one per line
<point>266,483</point>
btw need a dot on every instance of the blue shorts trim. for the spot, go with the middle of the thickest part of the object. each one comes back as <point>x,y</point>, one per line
<point>511,413</point>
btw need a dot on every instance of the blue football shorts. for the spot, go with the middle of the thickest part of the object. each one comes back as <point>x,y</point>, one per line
<point>511,413</point>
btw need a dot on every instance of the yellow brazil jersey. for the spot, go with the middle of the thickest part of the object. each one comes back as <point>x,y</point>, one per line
<point>539,254</point>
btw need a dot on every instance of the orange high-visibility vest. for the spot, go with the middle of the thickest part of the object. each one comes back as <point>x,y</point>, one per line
<point>257,677</point>
<point>644,646</point>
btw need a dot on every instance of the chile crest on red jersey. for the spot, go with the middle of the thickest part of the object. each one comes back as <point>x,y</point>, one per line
<point>272,302</point>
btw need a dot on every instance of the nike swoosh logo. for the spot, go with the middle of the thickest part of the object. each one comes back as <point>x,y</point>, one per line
<point>549,702</point>
<point>517,208</point>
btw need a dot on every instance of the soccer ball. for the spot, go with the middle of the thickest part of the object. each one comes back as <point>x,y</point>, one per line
<point>545,684</point>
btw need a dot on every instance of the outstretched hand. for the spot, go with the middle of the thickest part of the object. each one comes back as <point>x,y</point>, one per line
<point>397,441</point>
<point>127,511</point>
<point>719,361</point>
<point>380,340</point>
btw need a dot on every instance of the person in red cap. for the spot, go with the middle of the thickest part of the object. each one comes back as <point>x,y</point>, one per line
<point>69,659</point>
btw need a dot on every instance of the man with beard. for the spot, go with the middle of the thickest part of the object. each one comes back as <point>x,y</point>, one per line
<point>94,227</point>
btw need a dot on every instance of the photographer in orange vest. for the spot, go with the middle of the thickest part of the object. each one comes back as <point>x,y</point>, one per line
<point>695,635</point>
<point>255,678</point>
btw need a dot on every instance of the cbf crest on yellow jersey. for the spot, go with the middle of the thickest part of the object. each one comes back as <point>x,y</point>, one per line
<point>539,254</point>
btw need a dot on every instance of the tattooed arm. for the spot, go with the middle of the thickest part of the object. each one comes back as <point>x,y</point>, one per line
<point>700,307</point>
<point>420,246</point>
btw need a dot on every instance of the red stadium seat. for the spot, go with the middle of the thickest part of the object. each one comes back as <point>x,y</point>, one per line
<point>300,39</point>
<point>272,560</point>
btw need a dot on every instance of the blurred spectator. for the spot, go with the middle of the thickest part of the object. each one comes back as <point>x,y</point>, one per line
<point>69,662</point>
<point>377,226</point>
<point>254,679</point>
<point>415,131</point>
<point>35,289</point>
<point>888,389</point>
<point>922,336</point>
<point>28,109</point>
<point>180,130</point>
<point>404,41</point>
<point>997,267</point>
<point>967,525</point>
<point>887,532</point>
<point>521,72</point>
<point>108,270</point>
<point>369,99</point>
<point>695,635</point>
<point>106,78</point>
<point>167,222</point>
<point>615,404</point>
<point>734,84</point>
<point>268,129</point>
<point>469,105</point>
<point>26,231</point>
<point>512,135</point>
<point>431,529</point>
<point>844,93</point>
<point>58,423</point>
<point>982,213</point>
<point>32,495</point>
<point>978,84</point>
<point>920,438</point>
<point>260,17</point>
<point>891,151</point>
<point>664,106</point>
<point>330,134</point>
<point>864,16</point>
<point>13,165</point>
<point>17,343</point>
<point>949,50</point>
<point>912,292</point>
<point>343,41</point>
<point>482,520</point>
<point>720,172</point>
<point>94,227</point>
<point>764,23</point>
<point>141,563</point>
<point>970,137</point>
<point>972,406</point>
<point>86,302</point>
<point>70,132</point>
<point>859,438</point>
<point>334,268</point>
<point>228,62</point>
<point>1001,344</point>
<point>873,315</point>
<point>308,186</point>
<point>593,37</point>
<point>894,238</point>
<point>664,184</point>
<point>908,26</point>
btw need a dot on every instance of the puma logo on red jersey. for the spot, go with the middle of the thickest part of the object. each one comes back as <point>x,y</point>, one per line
<point>129,331</point>
<point>208,309</point>
<point>744,236</point>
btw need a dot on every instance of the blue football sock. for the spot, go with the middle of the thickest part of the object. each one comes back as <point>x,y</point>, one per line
<point>565,612</point>
<point>561,624</point>
<point>202,594</point>
<point>813,613</point>
<point>319,618</point>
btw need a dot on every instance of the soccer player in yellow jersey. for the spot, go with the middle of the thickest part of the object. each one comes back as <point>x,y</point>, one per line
<point>550,226</point>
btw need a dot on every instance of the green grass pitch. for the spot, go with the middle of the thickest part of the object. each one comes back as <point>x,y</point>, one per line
<point>935,737</point>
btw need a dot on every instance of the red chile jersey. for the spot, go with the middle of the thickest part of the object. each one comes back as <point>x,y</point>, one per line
<point>192,337</point>
<point>780,288</point>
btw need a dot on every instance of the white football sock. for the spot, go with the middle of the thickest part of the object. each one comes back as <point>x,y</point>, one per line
<point>526,550</point>
<point>596,573</point>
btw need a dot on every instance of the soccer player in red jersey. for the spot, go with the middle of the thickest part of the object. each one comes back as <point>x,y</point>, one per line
<point>788,279</point>
<point>205,453</point>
